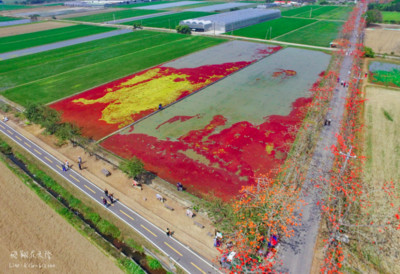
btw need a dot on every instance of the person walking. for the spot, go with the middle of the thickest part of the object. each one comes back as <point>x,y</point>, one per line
<point>79,160</point>
<point>80,166</point>
<point>106,192</point>
<point>168,232</point>
<point>111,197</point>
<point>66,165</point>
<point>105,202</point>
<point>63,167</point>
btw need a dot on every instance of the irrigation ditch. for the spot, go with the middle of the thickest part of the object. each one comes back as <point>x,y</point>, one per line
<point>137,257</point>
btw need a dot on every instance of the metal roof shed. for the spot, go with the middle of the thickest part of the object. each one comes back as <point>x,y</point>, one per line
<point>228,21</point>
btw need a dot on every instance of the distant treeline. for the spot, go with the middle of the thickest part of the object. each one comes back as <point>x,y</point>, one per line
<point>392,6</point>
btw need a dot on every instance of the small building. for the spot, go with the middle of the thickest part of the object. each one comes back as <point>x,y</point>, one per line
<point>229,21</point>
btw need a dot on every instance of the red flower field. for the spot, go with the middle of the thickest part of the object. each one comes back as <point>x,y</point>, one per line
<point>230,158</point>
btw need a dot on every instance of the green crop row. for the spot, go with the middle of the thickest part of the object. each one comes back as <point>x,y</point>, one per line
<point>273,28</point>
<point>4,18</point>
<point>319,34</point>
<point>49,76</point>
<point>169,21</point>
<point>22,41</point>
<point>115,15</point>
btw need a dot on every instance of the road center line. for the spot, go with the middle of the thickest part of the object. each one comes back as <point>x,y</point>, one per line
<point>9,131</point>
<point>149,230</point>
<point>173,249</point>
<point>126,215</point>
<point>2,127</point>
<point>48,159</point>
<point>74,178</point>
<point>28,145</point>
<point>18,138</point>
<point>201,270</point>
<point>90,189</point>
<point>37,151</point>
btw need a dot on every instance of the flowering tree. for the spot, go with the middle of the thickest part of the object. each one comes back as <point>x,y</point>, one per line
<point>263,210</point>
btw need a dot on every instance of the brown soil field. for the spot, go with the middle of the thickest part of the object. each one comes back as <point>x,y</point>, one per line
<point>96,11</point>
<point>38,9</point>
<point>383,40</point>
<point>15,30</point>
<point>27,224</point>
<point>142,201</point>
<point>382,149</point>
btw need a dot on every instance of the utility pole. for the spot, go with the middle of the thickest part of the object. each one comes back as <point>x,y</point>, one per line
<point>270,33</point>
<point>310,12</point>
<point>348,156</point>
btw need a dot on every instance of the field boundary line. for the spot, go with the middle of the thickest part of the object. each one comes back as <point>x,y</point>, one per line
<point>89,66</point>
<point>275,42</point>
<point>296,30</point>
<point>173,103</point>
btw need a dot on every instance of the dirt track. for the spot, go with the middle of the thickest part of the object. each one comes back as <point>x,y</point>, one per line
<point>31,28</point>
<point>28,224</point>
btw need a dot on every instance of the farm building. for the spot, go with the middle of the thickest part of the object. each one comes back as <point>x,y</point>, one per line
<point>228,21</point>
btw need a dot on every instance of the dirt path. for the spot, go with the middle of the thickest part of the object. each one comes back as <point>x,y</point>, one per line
<point>28,224</point>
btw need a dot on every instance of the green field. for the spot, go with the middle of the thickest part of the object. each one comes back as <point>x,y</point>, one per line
<point>22,41</point>
<point>109,16</point>
<point>143,4</point>
<point>279,27</point>
<point>168,21</point>
<point>319,34</point>
<point>389,16</point>
<point>319,12</point>
<point>52,75</point>
<point>13,7</point>
<point>4,18</point>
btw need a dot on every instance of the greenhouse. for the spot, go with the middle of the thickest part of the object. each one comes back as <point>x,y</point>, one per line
<point>228,21</point>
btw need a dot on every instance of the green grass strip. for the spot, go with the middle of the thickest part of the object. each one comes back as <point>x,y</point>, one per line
<point>23,41</point>
<point>4,18</point>
<point>13,7</point>
<point>115,15</point>
<point>273,28</point>
<point>168,21</point>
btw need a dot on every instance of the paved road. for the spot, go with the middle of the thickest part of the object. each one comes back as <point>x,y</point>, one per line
<point>15,22</point>
<point>297,253</point>
<point>22,52</point>
<point>140,17</point>
<point>180,254</point>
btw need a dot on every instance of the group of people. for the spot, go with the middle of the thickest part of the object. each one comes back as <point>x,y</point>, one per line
<point>65,166</point>
<point>179,186</point>
<point>110,196</point>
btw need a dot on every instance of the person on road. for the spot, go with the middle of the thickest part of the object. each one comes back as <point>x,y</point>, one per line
<point>66,165</point>
<point>63,167</point>
<point>111,197</point>
<point>79,160</point>
<point>168,232</point>
<point>105,202</point>
<point>80,166</point>
<point>106,192</point>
